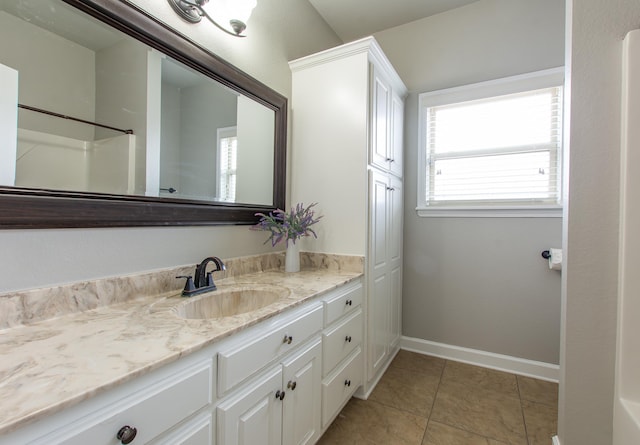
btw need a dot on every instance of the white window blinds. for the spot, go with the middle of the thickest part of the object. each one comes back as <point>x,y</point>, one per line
<point>502,150</point>
<point>227,164</point>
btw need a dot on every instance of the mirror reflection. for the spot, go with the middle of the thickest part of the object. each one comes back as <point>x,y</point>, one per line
<point>100,112</point>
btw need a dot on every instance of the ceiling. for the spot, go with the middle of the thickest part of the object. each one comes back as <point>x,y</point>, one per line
<point>353,19</point>
<point>65,21</point>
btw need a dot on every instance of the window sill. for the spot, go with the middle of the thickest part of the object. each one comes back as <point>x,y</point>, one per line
<point>491,212</point>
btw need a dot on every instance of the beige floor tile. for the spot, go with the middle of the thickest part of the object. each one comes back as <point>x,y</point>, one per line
<point>418,362</point>
<point>477,377</point>
<point>489,413</point>
<point>408,390</point>
<point>366,422</point>
<point>472,406</point>
<point>541,421</point>
<point>440,434</point>
<point>535,390</point>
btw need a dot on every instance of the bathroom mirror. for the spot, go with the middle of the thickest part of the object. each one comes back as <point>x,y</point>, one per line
<point>124,122</point>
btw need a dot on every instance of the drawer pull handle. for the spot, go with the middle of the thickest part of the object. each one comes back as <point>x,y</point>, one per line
<point>280,395</point>
<point>292,385</point>
<point>126,434</point>
<point>349,302</point>
<point>347,338</point>
<point>287,339</point>
<point>347,383</point>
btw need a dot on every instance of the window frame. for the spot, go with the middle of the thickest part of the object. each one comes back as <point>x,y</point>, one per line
<point>553,77</point>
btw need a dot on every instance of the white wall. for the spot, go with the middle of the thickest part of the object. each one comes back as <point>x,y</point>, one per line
<point>170,139</point>
<point>8,124</point>
<point>121,97</point>
<point>333,174</point>
<point>595,32</point>
<point>255,152</point>
<point>51,161</point>
<point>65,85</point>
<point>279,30</point>
<point>198,134</point>
<point>477,283</point>
<point>112,165</point>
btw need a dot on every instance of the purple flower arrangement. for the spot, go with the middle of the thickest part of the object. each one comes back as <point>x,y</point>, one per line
<point>288,226</point>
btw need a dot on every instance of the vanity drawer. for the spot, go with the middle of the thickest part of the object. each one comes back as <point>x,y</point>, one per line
<point>196,431</point>
<point>339,341</point>
<point>343,303</point>
<point>239,362</point>
<point>340,386</point>
<point>151,411</point>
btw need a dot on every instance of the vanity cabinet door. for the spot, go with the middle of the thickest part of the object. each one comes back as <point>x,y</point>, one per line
<point>302,404</point>
<point>253,415</point>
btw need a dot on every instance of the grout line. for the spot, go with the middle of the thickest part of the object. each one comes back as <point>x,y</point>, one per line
<point>524,421</point>
<point>433,404</point>
<point>476,433</point>
<point>435,395</point>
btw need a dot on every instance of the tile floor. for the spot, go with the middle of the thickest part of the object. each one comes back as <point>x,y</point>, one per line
<point>423,400</point>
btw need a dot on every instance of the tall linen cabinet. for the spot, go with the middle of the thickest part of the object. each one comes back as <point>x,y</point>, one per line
<point>347,111</point>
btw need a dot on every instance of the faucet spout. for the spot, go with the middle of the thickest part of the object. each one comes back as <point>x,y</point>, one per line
<point>204,279</point>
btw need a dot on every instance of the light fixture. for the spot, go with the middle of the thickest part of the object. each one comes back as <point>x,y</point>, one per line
<point>235,12</point>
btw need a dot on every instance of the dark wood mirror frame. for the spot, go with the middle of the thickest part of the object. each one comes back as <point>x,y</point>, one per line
<point>22,208</point>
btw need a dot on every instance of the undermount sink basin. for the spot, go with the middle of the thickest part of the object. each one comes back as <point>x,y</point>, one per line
<point>229,302</point>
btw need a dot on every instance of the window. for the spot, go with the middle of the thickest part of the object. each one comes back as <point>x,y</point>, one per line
<point>492,148</point>
<point>227,164</point>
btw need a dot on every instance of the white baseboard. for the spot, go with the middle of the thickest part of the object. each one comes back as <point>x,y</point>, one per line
<point>555,440</point>
<point>514,365</point>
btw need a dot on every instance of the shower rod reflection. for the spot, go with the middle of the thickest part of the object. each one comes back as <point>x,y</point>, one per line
<point>62,116</point>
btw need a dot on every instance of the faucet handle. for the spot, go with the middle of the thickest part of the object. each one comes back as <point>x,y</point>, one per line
<point>188,285</point>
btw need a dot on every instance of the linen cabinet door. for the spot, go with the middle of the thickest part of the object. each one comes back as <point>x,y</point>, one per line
<point>253,415</point>
<point>302,404</point>
<point>395,260</point>
<point>379,286</point>
<point>380,113</point>
<point>396,147</point>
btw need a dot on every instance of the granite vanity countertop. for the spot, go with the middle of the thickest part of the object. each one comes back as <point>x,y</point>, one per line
<point>53,364</point>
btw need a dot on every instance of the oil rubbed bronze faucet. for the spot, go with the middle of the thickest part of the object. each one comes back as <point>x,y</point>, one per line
<point>203,280</point>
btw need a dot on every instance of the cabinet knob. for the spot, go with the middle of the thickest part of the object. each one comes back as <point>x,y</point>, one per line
<point>347,338</point>
<point>292,385</point>
<point>347,383</point>
<point>287,339</point>
<point>391,189</point>
<point>280,395</point>
<point>348,302</point>
<point>126,434</point>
